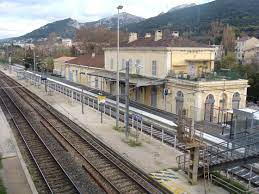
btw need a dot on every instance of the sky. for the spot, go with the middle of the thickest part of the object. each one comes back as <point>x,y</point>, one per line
<point>18,17</point>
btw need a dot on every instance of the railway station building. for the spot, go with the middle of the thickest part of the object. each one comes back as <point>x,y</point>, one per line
<point>173,74</point>
<point>76,69</point>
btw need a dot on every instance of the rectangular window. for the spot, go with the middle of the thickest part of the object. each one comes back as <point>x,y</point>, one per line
<point>111,63</point>
<point>138,66</point>
<point>130,65</point>
<point>123,64</point>
<point>96,82</point>
<point>154,68</point>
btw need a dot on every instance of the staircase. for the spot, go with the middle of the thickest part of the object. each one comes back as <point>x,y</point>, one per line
<point>223,155</point>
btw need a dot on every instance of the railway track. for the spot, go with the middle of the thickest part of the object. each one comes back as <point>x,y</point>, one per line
<point>108,169</point>
<point>55,178</point>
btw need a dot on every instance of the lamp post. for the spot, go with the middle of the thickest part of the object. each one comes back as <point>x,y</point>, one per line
<point>127,100</point>
<point>118,73</point>
<point>34,61</point>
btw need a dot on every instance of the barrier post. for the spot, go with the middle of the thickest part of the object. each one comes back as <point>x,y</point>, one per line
<point>151,132</point>
<point>162,136</point>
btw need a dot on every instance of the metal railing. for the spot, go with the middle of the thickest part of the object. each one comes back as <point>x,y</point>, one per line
<point>228,186</point>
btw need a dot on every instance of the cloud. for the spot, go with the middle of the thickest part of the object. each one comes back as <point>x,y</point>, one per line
<point>21,16</point>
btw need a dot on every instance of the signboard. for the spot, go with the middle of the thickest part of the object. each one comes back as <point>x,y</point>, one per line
<point>165,92</point>
<point>43,77</point>
<point>101,99</point>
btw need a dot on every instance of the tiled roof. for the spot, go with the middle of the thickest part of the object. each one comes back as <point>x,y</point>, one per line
<point>89,60</point>
<point>167,42</point>
<point>244,38</point>
<point>63,59</point>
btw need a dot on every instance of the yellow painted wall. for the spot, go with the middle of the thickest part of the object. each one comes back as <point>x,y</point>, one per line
<point>84,78</point>
<point>59,68</point>
<point>205,88</point>
<point>145,57</point>
<point>180,59</point>
<point>174,59</point>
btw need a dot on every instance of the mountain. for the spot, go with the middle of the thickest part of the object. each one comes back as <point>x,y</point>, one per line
<point>181,7</point>
<point>66,28</point>
<point>243,14</point>
<point>111,22</point>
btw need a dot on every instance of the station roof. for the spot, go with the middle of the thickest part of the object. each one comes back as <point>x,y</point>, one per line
<point>249,112</point>
<point>96,61</point>
<point>164,42</point>
<point>63,59</point>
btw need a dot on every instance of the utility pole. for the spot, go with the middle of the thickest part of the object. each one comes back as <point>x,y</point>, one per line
<point>82,100</point>
<point>9,54</point>
<point>34,61</point>
<point>127,100</point>
<point>118,73</point>
<point>165,93</point>
<point>192,130</point>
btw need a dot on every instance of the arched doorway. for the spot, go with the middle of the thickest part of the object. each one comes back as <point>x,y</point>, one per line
<point>236,100</point>
<point>179,100</point>
<point>209,108</point>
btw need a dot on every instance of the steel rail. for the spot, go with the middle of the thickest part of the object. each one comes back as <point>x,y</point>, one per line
<point>27,146</point>
<point>94,147</point>
<point>78,152</point>
<point>40,140</point>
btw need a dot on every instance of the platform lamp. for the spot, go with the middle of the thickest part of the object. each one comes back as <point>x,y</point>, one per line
<point>118,73</point>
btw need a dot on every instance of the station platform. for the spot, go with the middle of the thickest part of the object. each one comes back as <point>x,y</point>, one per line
<point>12,174</point>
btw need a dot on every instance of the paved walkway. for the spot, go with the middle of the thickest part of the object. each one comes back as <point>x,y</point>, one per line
<point>12,173</point>
<point>151,156</point>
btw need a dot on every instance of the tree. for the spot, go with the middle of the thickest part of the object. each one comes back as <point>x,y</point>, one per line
<point>74,51</point>
<point>229,39</point>
<point>50,64</point>
<point>216,32</point>
<point>93,39</point>
<point>229,61</point>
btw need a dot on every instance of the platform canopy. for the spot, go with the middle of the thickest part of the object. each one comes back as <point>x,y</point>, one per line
<point>138,80</point>
<point>198,60</point>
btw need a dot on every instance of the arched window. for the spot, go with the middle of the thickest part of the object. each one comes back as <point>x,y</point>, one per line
<point>179,99</point>
<point>236,100</point>
<point>209,107</point>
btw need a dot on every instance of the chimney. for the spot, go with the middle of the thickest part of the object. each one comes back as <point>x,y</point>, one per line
<point>158,35</point>
<point>93,55</point>
<point>133,36</point>
<point>148,35</point>
<point>175,34</point>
